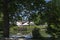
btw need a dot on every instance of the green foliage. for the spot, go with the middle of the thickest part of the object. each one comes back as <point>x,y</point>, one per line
<point>1,24</point>
<point>37,20</point>
<point>13,30</point>
<point>9,7</point>
<point>53,19</point>
<point>50,13</point>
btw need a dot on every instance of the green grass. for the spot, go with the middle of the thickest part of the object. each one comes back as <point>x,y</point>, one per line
<point>14,30</point>
<point>1,34</point>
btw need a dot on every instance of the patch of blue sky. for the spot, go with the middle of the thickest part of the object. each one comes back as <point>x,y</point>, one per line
<point>25,18</point>
<point>47,1</point>
<point>32,4</point>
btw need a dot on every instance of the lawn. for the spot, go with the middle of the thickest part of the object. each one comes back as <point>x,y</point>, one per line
<point>28,29</point>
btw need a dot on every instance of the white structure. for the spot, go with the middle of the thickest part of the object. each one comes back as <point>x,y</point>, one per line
<point>24,24</point>
<point>32,23</point>
<point>18,23</point>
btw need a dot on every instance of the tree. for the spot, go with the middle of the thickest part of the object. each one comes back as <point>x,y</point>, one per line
<point>53,18</point>
<point>6,9</point>
<point>38,6</point>
<point>50,16</point>
<point>6,19</point>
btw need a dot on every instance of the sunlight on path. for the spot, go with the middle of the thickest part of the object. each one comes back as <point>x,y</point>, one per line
<point>21,39</point>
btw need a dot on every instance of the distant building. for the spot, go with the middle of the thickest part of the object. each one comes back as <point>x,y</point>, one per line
<point>26,23</point>
<point>32,23</point>
<point>19,23</point>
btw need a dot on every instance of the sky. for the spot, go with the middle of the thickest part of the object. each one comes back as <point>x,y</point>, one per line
<point>47,0</point>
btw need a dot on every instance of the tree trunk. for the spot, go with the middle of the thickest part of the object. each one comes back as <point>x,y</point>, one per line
<point>6,19</point>
<point>29,21</point>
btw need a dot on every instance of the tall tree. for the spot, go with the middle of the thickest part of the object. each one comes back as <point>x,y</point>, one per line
<point>6,19</point>
<point>53,19</point>
<point>7,9</point>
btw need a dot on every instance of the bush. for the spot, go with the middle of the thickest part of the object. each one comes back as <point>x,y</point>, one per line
<point>14,30</point>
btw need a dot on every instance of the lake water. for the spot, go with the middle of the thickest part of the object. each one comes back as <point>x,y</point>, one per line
<point>27,39</point>
<point>36,39</point>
